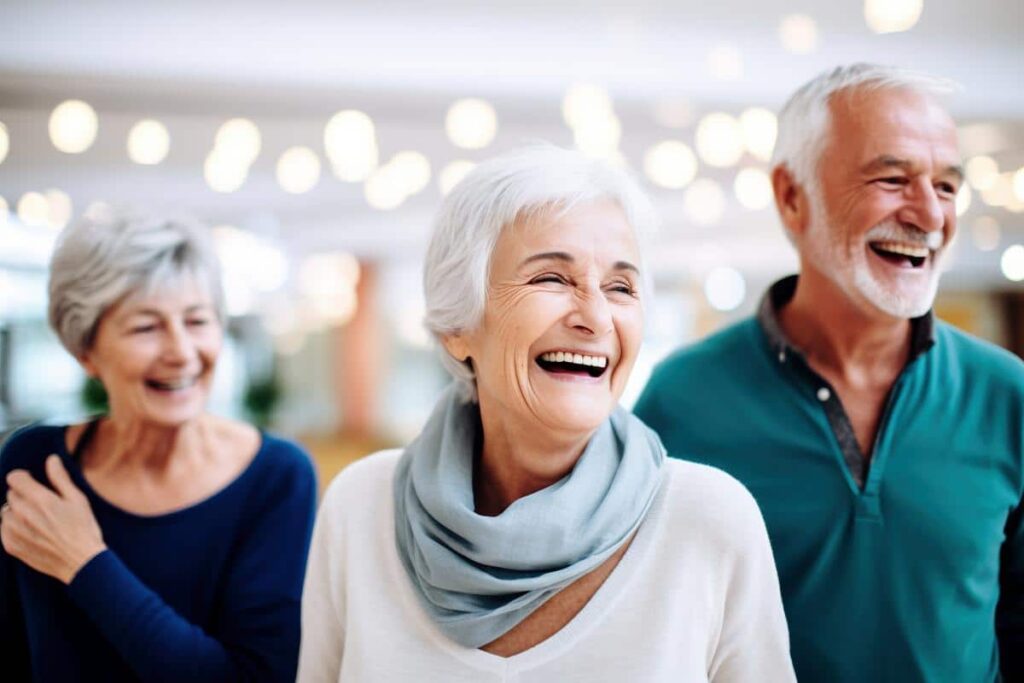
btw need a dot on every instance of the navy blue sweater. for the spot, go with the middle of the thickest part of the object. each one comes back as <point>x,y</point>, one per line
<point>207,593</point>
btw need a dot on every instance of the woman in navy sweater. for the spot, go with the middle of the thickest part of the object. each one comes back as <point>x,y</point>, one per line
<point>158,543</point>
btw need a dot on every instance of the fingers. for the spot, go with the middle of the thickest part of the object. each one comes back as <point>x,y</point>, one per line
<point>60,479</point>
<point>21,485</point>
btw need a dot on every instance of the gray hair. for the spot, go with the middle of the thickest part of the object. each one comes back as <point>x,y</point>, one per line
<point>493,196</point>
<point>106,256</point>
<point>805,120</point>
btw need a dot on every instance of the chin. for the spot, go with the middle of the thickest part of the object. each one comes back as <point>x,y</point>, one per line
<point>904,302</point>
<point>578,414</point>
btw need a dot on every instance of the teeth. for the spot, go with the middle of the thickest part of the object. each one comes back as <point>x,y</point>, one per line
<point>575,358</point>
<point>174,386</point>
<point>904,249</point>
<point>934,240</point>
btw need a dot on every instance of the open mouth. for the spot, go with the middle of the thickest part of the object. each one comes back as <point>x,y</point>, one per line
<point>566,362</point>
<point>901,254</point>
<point>171,385</point>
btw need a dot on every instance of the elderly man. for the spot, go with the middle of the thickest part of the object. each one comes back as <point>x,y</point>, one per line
<point>885,448</point>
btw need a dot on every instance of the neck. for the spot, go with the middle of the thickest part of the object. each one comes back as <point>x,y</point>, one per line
<point>837,335</point>
<point>129,442</point>
<point>514,463</point>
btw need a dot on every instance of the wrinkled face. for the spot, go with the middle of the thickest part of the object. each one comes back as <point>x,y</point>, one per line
<point>156,354</point>
<point>884,214</point>
<point>563,320</point>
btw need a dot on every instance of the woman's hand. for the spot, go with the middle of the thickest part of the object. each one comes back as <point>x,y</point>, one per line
<point>55,533</point>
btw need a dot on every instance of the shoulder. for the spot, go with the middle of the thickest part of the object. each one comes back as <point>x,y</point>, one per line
<point>978,355</point>
<point>282,473</point>
<point>711,503</point>
<point>366,481</point>
<point>27,447</point>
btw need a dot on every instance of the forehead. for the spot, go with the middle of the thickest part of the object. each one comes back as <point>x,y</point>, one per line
<point>868,123</point>
<point>598,228</point>
<point>177,294</point>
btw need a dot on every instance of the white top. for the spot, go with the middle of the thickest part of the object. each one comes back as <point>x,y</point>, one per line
<point>694,598</point>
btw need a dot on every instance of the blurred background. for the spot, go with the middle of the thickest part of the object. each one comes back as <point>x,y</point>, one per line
<point>317,139</point>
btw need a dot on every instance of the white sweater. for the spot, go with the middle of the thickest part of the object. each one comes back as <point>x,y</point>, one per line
<point>694,598</point>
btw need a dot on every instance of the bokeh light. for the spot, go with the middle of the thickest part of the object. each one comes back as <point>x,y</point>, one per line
<point>452,174</point>
<point>224,173</point>
<point>73,126</point>
<point>670,164</point>
<point>298,170</point>
<point>58,208</point>
<point>985,233</point>
<point>719,140</point>
<point>33,210</point>
<point>148,142</point>
<point>471,123</point>
<point>238,140</point>
<point>892,16</point>
<point>753,189</point>
<point>1012,263</point>
<point>583,101</point>
<point>725,288</point>
<point>412,170</point>
<point>982,172</point>
<point>5,142</point>
<point>384,189</point>
<point>350,140</point>
<point>760,128</point>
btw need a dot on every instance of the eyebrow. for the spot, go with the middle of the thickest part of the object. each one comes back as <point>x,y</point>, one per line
<point>885,161</point>
<point>566,257</point>
<point>152,311</point>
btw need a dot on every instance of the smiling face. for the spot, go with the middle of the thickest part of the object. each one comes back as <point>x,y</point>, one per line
<point>885,213</point>
<point>156,354</point>
<point>562,323</point>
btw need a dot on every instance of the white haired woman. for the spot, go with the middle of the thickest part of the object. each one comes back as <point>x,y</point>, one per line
<point>157,543</point>
<point>535,530</point>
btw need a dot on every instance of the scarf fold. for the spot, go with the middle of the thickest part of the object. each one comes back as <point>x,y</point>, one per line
<point>478,576</point>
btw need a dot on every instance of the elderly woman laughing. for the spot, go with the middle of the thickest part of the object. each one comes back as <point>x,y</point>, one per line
<point>535,530</point>
<point>159,542</point>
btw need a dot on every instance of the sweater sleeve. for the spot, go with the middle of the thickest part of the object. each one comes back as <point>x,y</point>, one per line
<point>14,641</point>
<point>323,605</point>
<point>256,632</point>
<point>754,641</point>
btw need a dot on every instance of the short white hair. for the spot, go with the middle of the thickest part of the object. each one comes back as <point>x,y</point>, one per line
<point>805,120</point>
<point>107,256</point>
<point>493,196</point>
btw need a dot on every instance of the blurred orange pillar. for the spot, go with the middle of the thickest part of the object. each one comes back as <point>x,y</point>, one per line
<point>358,359</point>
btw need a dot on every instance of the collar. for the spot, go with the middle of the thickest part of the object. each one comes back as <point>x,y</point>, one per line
<point>922,329</point>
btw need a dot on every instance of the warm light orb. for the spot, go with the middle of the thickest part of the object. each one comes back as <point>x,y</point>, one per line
<point>412,170</point>
<point>1012,263</point>
<point>985,233</point>
<point>963,200</point>
<point>725,288</point>
<point>719,140</point>
<point>670,164</point>
<point>892,16</point>
<point>73,126</point>
<point>982,172</point>
<point>452,174</point>
<point>239,140</point>
<point>384,189</point>
<point>5,142</point>
<point>33,210</point>
<point>798,34</point>
<point>328,283</point>
<point>298,170</point>
<point>598,137</point>
<point>59,208</point>
<point>350,140</point>
<point>471,123</point>
<point>760,128</point>
<point>148,142</point>
<point>1001,193</point>
<point>704,202</point>
<point>753,189</point>
<point>224,173</point>
<point>583,101</point>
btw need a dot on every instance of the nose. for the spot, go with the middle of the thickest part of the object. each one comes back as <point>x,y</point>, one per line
<point>591,314</point>
<point>923,208</point>
<point>179,347</point>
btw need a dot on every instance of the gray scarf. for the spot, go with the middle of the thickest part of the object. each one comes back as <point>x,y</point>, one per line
<point>477,576</point>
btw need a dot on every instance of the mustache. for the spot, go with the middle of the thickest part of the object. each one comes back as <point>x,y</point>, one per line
<point>892,230</point>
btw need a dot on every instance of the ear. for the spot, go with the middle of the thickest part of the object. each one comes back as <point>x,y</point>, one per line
<point>791,201</point>
<point>456,345</point>
<point>88,365</point>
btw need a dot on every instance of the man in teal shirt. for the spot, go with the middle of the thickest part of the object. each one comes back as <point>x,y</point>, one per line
<point>885,448</point>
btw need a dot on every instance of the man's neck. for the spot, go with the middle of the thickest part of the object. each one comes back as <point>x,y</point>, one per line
<point>841,339</point>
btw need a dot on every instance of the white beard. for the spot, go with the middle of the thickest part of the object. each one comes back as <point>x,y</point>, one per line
<point>847,266</point>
